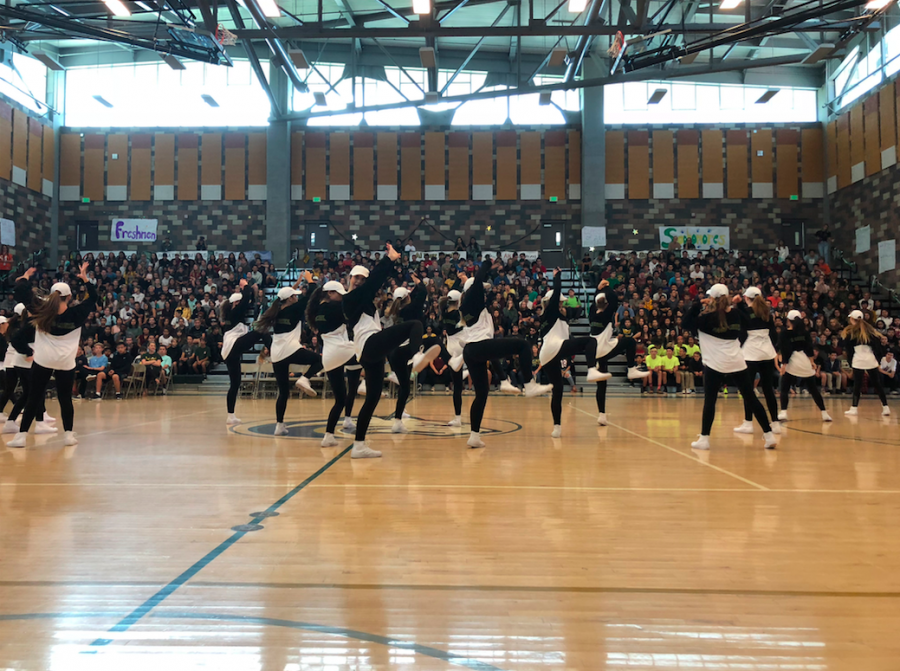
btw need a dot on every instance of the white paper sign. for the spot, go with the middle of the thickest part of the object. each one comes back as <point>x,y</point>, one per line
<point>887,255</point>
<point>593,236</point>
<point>701,237</point>
<point>133,230</point>
<point>7,232</point>
<point>863,239</point>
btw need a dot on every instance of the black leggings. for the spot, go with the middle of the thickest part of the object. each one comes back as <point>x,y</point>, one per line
<point>377,348</point>
<point>766,370</point>
<point>626,345</point>
<point>399,360</point>
<point>477,354</point>
<point>343,399</point>
<point>585,345</point>
<point>233,362</point>
<point>302,357</point>
<point>874,377</point>
<point>712,382</point>
<point>34,408</point>
<point>809,382</point>
<point>15,376</point>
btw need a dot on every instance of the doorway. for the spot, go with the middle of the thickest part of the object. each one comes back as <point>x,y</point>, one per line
<point>88,235</point>
<point>553,237</point>
<point>318,237</point>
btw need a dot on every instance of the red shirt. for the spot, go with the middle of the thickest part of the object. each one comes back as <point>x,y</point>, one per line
<point>6,261</point>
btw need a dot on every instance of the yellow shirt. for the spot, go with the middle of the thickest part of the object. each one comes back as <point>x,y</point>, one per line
<point>670,363</point>
<point>653,362</point>
<point>692,349</point>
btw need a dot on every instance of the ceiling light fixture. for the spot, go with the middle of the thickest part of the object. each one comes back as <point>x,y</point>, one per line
<point>422,6</point>
<point>730,4</point>
<point>173,62</point>
<point>577,6</point>
<point>209,100</point>
<point>298,58</point>
<point>820,53</point>
<point>117,7</point>
<point>432,97</point>
<point>60,10</point>
<point>103,101</point>
<point>48,60</point>
<point>144,6</point>
<point>877,4</point>
<point>657,95</point>
<point>544,97</point>
<point>269,9</point>
<point>767,96</point>
<point>557,57</point>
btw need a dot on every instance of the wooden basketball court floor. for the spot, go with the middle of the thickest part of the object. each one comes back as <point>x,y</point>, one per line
<point>610,548</point>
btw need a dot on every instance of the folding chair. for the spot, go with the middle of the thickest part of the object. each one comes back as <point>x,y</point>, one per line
<point>249,379</point>
<point>137,380</point>
<point>266,380</point>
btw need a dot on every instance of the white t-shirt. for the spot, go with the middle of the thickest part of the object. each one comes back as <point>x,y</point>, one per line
<point>889,366</point>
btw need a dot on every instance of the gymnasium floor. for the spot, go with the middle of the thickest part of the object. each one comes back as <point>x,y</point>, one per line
<point>610,548</point>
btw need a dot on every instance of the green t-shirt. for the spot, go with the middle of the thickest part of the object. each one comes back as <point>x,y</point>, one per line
<point>201,352</point>
<point>653,362</point>
<point>670,363</point>
<point>692,349</point>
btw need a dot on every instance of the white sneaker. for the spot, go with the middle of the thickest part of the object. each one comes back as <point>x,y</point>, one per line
<point>595,375</point>
<point>507,387</point>
<point>406,415</point>
<point>465,374</point>
<point>348,425</point>
<point>601,419</point>
<point>770,440</point>
<point>557,431</point>
<point>776,428</point>
<point>456,363</point>
<point>782,415</point>
<point>48,418</point>
<point>363,451</point>
<point>475,440</point>
<point>70,439</point>
<point>421,360</point>
<point>398,427</point>
<point>885,410</point>
<point>393,379</point>
<point>825,416</point>
<point>702,443</point>
<point>635,374</point>
<point>280,429</point>
<point>329,440</point>
<point>18,441</point>
<point>745,427</point>
<point>852,412</point>
<point>10,427</point>
<point>361,389</point>
<point>232,420</point>
<point>304,385</point>
<point>456,421</point>
<point>534,389</point>
<point>43,428</point>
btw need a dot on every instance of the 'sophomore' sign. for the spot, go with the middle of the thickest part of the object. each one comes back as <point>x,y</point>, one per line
<point>133,230</point>
<point>701,237</point>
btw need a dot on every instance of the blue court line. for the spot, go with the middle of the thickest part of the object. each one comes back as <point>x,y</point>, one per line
<point>425,650</point>
<point>128,621</point>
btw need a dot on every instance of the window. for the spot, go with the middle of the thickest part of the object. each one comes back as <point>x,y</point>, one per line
<point>27,76</point>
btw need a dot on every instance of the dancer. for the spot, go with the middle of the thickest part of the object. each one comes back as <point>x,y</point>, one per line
<point>558,345</point>
<point>719,329</point>
<point>325,314</point>
<point>759,353</point>
<point>237,341</point>
<point>57,336</point>
<point>481,347</point>
<point>285,318</point>
<point>863,344</point>
<point>797,363</point>
<point>602,317</point>
<point>406,306</point>
<point>18,362</point>
<point>373,344</point>
<point>4,348</point>
<point>450,323</point>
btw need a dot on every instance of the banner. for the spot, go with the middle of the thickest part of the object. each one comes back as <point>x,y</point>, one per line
<point>701,237</point>
<point>133,230</point>
<point>863,239</point>
<point>887,255</point>
<point>593,236</point>
<point>7,232</point>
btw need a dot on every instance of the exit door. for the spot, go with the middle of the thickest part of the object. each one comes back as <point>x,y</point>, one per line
<point>793,232</point>
<point>553,236</point>
<point>318,238</point>
<point>88,235</point>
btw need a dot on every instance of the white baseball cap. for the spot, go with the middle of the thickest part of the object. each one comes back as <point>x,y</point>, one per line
<point>400,292</point>
<point>752,292</point>
<point>3,320</point>
<point>19,309</point>
<point>235,297</point>
<point>468,284</point>
<point>600,294</point>
<point>359,270</point>
<point>334,286</point>
<point>286,292</point>
<point>856,314</point>
<point>794,314</point>
<point>454,296</point>
<point>62,288</point>
<point>717,291</point>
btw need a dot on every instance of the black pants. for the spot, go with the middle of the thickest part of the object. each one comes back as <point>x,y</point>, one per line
<point>712,383</point>
<point>809,382</point>
<point>302,357</point>
<point>429,377</point>
<point>343,399</point>
<point>585,345</point>
<point>458,382</point>
<point>21,376</point>
<point>626,345</point>
<point>378,347</point>
<point>874,378</point>
<point>766,371</point>
<point>40,378</point>
<point>399,360</point>
<point>477,354</point>
<point>233,362</point>
<point>81,378</point>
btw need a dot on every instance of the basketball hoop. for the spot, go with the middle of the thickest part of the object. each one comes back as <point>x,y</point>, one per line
<point>224,36</point>
<point>616,46</point>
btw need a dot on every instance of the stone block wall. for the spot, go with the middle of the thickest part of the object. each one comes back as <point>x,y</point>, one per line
<point>30,211</point>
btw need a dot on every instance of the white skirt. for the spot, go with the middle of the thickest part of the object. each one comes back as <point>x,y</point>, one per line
<point>553,341</point>
<point>799,365</point>
<point>864,358</point>
<point>231,336</point>
<point>337,348</point>
<point>606,341</point>
<point>455,344</point>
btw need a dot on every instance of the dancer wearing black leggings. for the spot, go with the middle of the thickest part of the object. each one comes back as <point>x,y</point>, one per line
<point>796,351</point>
<point>602,318</point>
<point>57,338</point>
<point>373,344</point>
<point>452,330</point>
<point>238,340</point>
<point>759,353</point>
<point>285,318</point>
<point>325,314</point>
<point>18,362</point>
<point>481,347</point>
<point>557,345</point>
<point>406,306</point>
<point>720,329</point>
<point>862,342</point>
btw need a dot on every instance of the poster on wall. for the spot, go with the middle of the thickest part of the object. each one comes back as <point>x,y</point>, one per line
<point>887,255</point>
<point>133,230</point>
<point>863,239</point>
<point>701,237</point>
<point>7,232</point>
<point>593,236</point>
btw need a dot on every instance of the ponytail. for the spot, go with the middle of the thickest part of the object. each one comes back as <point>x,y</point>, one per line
<point>720,306</point>
<point>312,307</point>
<point>44,314</point>
<point>862,331</point>
<point>397,305</point>
<point>267,320</point>
<point>761,308</point>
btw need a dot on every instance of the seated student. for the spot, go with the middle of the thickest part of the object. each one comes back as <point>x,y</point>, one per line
<point>187,358</point>
<point>888,371</point>
<point>201,356</point>
<point>97,365</point>
<point>536,371</point>
<point>166,368</point>
<point>264,356</point>
<point>671,364</point>
<point>437,373</point>
<point>832,378</point>
<point>684,370</point>
<point>655,366</point>
<point>119,368</point>
<point>566,366</point>
<point>695,366</point>
<point>153,361</point>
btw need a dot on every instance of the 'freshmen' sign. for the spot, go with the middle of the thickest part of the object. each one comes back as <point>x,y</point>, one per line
<point>133,230</point>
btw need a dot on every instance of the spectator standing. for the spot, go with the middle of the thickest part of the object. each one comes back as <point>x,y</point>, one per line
<point>824,237</point>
